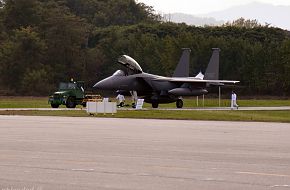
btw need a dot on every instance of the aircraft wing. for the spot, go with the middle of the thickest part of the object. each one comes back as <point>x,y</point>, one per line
<point>194,80</point>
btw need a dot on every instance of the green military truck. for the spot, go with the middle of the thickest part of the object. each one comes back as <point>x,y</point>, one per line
<point>70,94</point>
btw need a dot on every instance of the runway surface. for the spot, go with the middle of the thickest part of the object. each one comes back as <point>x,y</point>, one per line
<point>44,153</point>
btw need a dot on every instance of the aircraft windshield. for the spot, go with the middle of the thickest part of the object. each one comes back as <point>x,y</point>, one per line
<point>130,63</point>
<point>119,73</point>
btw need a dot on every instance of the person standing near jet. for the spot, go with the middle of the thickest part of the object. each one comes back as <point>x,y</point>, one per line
<point>234,101</point>
<point>134,98</point>
<point>121,100</point>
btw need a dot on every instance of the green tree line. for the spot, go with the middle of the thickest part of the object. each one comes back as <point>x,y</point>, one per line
<point>43,42</point>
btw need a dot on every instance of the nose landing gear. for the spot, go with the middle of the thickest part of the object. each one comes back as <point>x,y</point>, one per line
<point>179,103</point>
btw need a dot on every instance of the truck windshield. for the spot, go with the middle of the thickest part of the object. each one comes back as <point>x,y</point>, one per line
<point>65,86</point>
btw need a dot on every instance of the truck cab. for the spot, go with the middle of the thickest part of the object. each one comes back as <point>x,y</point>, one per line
<point>69,94</point>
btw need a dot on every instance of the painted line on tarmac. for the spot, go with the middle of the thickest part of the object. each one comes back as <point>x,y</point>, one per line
<point>280,186</point>
<point>263,174</point>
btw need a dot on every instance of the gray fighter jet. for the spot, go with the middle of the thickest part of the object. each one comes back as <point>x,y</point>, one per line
<point>160,90</point>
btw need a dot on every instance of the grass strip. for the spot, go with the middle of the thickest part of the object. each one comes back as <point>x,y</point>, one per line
<point>42,102</point>
<point>261,116</point>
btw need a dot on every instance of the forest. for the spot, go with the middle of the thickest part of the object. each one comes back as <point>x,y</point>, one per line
<point>43,42</point>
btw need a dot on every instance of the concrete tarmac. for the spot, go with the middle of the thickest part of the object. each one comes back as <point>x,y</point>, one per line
<point>44,153</point>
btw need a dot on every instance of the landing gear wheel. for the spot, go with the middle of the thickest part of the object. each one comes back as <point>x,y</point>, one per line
<point>155,105</point>
<point>179,103</point>
<point>70,103</point>
<point>54,105</point>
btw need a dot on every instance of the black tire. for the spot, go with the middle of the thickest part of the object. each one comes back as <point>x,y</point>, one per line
<point>133,105</point>
<point>84,104</point>
<point>70,103</point>
<point>179,103</point>
<point>54,105</point>
<point>155,105</point>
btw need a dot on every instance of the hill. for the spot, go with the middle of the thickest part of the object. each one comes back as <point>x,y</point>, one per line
<point>264,13</point>
<point>191,19</point>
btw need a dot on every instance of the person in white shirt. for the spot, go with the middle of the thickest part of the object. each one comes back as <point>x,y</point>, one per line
<point>234,101</point>
<point>134,98</point>
<point>121,100</point>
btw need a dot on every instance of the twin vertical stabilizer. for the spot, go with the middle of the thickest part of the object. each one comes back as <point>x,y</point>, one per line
<point>182,69</point>
<point>212,70</point>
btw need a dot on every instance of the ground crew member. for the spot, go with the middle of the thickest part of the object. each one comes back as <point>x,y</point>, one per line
<point>234,101</point>
<point>134,98</point>
<point>121,100</point>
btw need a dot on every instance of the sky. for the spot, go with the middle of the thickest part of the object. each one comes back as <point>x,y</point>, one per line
<point>197,7</point>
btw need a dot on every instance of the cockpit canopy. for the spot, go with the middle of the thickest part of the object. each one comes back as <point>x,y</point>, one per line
<point>130,63</point>
<point>119,73</point>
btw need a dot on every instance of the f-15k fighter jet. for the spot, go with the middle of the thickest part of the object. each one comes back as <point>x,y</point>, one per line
<point>159,89</point>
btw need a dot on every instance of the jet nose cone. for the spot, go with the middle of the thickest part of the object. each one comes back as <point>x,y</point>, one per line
<point>103,84</point>
<point>96,85</point>
<point>99,85</point>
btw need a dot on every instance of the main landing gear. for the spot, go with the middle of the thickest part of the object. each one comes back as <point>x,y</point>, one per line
<point>179,103</point>
<point>155,105</point>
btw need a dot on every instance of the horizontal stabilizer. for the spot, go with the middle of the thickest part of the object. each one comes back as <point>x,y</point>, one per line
<point>199,75</point>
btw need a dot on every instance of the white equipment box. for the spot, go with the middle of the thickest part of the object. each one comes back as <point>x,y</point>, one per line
<point>101,107</point>
<point>139,104</point>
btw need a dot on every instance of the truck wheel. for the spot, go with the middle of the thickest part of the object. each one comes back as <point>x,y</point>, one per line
<point>70,103</point>
<point>54,105</point>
